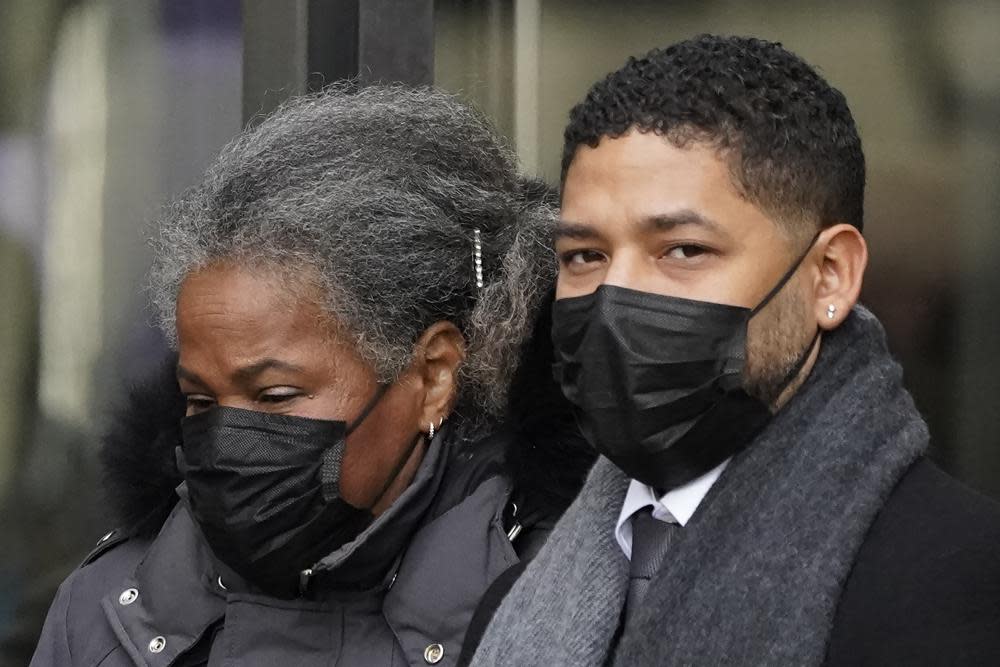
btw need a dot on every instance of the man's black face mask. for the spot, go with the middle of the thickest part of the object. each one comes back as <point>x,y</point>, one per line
<point>657,381</point>
<point>265,491</point>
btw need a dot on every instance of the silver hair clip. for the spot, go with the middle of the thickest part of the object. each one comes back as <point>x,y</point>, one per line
<point>477,255</point>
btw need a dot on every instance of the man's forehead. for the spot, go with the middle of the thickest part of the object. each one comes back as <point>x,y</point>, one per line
<point>640,167</point>
<point>649,184</point>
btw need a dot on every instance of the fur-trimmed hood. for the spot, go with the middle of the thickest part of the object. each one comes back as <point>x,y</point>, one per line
<point>137,453</point>
<point>546,456</point>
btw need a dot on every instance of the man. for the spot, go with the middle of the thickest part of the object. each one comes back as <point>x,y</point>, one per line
<point>763,496</point>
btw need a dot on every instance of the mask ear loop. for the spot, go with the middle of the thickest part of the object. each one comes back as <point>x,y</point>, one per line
<point>800,363</point>
<point>794,371</point>
<point>334,456</point>
<point>367,410</point>
<point>401,463</point>
<point>786,277</point>
<point>397,469</point>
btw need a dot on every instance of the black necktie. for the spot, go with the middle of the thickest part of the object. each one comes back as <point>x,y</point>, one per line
<point>651,539</point>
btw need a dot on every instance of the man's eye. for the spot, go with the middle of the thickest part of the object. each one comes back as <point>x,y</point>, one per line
<point>198,403</point>
<point>686,252</point>
<point>581,257</point>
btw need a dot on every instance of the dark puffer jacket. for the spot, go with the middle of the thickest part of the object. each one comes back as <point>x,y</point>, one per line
<point>403,593</point>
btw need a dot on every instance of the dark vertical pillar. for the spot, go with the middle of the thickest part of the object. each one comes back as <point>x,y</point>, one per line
<point>274,54</point>
<point>293,46</point>
<point>332,48</point>
<point>396,41</point>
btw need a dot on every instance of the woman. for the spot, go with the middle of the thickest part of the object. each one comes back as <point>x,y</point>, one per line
<point>350,291</point>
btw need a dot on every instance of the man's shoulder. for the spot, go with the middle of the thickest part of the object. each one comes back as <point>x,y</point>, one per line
<point>930,520</point>
<point>925,585</point>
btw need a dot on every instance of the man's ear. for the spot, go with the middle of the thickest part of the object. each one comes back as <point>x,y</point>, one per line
<point>439,353</point>
<point>842,256</point>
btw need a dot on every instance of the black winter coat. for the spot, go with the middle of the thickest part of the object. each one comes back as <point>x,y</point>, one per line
<point>924,589</point>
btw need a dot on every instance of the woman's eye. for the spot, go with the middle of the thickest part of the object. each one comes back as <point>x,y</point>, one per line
<point>686,252</point>
<point>278,395</point>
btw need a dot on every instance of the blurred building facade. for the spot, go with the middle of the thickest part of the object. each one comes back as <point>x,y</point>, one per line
<point>109,108</point>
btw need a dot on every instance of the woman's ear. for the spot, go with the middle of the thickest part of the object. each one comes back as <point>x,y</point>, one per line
<point>843,256</point>
<point>439,354</point>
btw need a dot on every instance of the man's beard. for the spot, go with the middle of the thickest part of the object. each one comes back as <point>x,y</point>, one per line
<point>776,342</point>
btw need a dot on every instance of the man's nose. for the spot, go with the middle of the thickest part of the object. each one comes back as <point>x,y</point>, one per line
<point>629,267</point>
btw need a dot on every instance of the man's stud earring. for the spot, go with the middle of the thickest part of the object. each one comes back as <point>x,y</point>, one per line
<point>831,310</point>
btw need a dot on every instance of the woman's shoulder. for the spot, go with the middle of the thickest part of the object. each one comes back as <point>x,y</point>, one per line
<point>76,631</point>
<point>472,460</point>
<point>104,568</point>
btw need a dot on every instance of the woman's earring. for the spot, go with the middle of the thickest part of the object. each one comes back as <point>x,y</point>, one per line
<point>430,433</point>
<point>831,310</point>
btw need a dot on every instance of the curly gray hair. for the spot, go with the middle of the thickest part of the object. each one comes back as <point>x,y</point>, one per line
<point>376,193</point>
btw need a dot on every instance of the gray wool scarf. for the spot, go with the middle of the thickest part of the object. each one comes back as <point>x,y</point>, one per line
<point>755,576</point>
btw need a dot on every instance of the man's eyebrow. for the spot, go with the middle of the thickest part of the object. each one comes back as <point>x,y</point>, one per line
<point>684,217</point>
<point>568,229</point>
<point>248,373</point>
<point>190,376</point>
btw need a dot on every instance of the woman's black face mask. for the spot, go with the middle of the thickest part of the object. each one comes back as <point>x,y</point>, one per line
<point>264,490</point>
<point>657,381</point>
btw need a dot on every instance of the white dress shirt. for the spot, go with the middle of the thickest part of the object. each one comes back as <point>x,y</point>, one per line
<point>675,506</point>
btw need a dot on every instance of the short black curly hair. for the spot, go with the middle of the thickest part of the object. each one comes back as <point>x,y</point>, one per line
<point>788,136</point>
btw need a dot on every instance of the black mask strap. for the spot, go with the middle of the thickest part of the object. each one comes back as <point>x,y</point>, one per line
<point>786,277</point>
<point>401,463</point>
<point>396,470</point>
<point>794,371</point>
<point>367,410</point>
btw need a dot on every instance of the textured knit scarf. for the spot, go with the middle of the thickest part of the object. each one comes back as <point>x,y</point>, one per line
<point>756,574</point>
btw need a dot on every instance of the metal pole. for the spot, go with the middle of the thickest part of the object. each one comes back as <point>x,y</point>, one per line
<point>274,54</point>
<point>293,46</point>
<point>396,41</point>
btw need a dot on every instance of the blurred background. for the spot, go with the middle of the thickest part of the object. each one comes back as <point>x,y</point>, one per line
<point>109,108</point>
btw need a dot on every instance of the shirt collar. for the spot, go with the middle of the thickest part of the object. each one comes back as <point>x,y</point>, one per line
<point>675,506</point>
